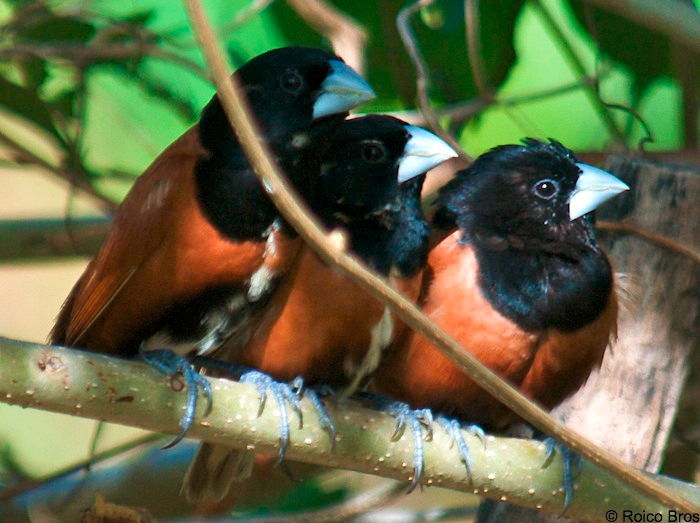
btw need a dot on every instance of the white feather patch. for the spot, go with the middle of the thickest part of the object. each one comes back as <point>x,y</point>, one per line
<point>381,336</point>
<point>219,323</point>
<point>157,196</point>
<point>261,280</point>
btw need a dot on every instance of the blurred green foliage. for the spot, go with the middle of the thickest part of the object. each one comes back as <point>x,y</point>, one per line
<point>439,27</point>
<point>112,83</point>
<point>645,53</point>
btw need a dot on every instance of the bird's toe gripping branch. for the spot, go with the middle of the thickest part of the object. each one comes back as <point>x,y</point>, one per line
<point>284,395</point>
<point>314,394</point>
<point>167,362</point>
<point>288,394</point>
<point>418,420</point>
<point>571,463</point>
<point>453,428</point>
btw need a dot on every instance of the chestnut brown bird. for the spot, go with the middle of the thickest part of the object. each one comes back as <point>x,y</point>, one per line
<point>517,277</point>
<point>319,325</point>
<point>197,246</point>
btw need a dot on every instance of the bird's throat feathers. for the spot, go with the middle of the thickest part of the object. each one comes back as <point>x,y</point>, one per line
<point>535,281</point>
<point>540,289</point>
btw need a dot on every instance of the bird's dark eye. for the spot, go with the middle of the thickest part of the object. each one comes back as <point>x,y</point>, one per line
<point>292,82</point>
<point>373,152</point>
<point>546,189</point>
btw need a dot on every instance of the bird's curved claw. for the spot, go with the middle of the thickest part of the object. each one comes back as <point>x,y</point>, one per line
<point>170,363</point>
<point>284,395</point>
<point>418,420</point>
<point>571,463</point>
<point>314,394</point>
<point>453,428</point>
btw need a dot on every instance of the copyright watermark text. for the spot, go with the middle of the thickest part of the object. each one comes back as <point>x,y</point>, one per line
<point>672,516</point>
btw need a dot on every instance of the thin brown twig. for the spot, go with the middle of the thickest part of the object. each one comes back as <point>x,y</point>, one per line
<point>630,227</point>
<point>75,179</point>
<point>346,35</point>
<point>576,62</point>
<point>84,55</point>
<point>403,21</point>
<point>468,108</point>
<point>309,228</point>
<point>473,33</point>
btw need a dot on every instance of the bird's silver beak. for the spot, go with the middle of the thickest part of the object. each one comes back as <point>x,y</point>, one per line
<point>593,187</point>
<point>342,90</point>
<point>422,152</point>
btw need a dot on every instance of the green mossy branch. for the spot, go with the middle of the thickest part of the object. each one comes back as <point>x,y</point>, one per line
<point>131,393</point>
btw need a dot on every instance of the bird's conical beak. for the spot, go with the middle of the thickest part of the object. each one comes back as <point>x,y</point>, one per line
<point>342,90</point>
<point>593,187</point>
<point>422,152</point>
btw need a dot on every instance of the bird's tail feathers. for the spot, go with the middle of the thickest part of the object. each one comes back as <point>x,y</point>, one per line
<point>213,470</point>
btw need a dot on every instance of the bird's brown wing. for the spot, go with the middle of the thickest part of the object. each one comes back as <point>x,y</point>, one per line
<point>160,251</point>
<point>564,360</point>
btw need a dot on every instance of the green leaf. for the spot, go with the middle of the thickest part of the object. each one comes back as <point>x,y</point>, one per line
<point>158,87</point>
<point>57,29</point>
<point>25,103</point>
<point>441,32</point>
<point>65,102</point>
<point>139,18</point>
<point>645,52</point>
<point>441,35</point>
<point>33,72</point>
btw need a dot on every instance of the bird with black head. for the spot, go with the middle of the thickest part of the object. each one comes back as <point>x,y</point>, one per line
<point>516,276</point>
<point>197,246</point>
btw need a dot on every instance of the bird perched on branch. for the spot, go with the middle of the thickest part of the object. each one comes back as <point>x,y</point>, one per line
<point>516,276</point>
<point>197,246</point>
<point>319,324</point>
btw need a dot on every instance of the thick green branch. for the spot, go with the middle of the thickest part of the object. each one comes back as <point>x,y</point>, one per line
<point>120,391</point>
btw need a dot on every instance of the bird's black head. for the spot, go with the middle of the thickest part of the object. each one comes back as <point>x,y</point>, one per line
<point>370,184</point>
<point>298,96</point>
<point>525,195</point>
<point>370,159</point>
<point>296,93</point>
<point>359,172</point>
